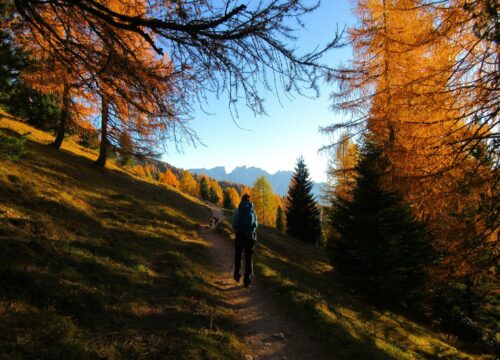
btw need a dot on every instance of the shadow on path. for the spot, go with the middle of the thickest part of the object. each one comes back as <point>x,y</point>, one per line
<point>266,331</point>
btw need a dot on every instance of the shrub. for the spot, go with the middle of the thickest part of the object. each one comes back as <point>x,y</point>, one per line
<point>12,148</point>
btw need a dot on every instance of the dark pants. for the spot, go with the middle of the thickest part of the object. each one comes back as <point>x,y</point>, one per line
<point>244,243</point>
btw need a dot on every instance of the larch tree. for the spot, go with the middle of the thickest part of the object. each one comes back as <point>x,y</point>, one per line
<point>401,84</point>
<point>48,75</point>
<point>125,149</point>
<point>146,100</point>
<point>235,196</point>
<point>421,87</point>
<point>263,199</point>
<point>302,211</point>
<point>341,171</point>
<point>139,170</point>
<point>16,95</point>
<point>188,184</point>
<point>169,178</point>
<point>401,81</point>
<point>212,47</point>
<point>246,190</point>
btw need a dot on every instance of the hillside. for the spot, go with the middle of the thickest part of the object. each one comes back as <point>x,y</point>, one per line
<point>247,175</point>
<point>101,264</point>
<point>98,264</point>
<point>305,287</point>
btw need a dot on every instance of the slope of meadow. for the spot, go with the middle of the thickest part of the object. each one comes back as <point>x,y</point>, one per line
<point>98,264</point>
<point>302,282</point>
<point>306,286</point>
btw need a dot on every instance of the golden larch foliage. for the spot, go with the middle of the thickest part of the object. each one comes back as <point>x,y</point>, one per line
<point>188,184</point>
<point>265,201</point>
<point>169,178</point>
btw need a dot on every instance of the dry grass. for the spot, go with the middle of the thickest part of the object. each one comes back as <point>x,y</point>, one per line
<point>303,282</point>
<point>98,264</point>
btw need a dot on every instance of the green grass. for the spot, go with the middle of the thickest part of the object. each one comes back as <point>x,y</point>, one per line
<point>99,264</point>
<point>304,284</point>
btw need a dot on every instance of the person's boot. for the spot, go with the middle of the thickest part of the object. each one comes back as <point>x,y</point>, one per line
<point>237,277</point>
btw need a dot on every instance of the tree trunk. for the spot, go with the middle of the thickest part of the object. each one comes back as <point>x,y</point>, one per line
<point>103,150</point>
<point>468,297</point>
<point>63,121</point>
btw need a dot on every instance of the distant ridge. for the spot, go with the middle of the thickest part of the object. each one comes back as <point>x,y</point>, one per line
<point>247,175</point>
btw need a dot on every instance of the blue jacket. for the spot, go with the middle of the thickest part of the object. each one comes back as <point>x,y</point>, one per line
<point>244,205</point>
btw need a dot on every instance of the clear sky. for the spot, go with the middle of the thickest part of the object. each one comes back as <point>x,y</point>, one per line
<point>274,141</point>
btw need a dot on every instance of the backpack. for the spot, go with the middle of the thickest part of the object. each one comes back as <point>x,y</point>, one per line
<point>245,218</point>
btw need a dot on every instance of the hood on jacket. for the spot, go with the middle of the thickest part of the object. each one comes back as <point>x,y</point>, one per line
<point>247,205</point>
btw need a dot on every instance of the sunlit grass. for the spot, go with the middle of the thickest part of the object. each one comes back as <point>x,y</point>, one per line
<point>303,282</point>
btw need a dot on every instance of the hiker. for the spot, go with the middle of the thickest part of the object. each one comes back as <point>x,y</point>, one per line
<point>245,226</point>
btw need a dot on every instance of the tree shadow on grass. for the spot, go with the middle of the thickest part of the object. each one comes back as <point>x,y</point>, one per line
<point>118,265</point>
<point>300,301</point>
<point>300,287</point>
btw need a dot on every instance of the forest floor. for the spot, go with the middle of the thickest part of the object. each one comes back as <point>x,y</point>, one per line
<point>267,333</point>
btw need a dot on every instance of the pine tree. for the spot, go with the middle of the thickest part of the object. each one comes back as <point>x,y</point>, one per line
<point>214,184</point>
<point>376,243</point>
<point>302,213</point>
<point>280,226</point>
<point>228,201</point>
<point>204,190</point>
<point>213,196</point>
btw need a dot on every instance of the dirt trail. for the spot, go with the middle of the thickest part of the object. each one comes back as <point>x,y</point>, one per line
<point>266,332</point>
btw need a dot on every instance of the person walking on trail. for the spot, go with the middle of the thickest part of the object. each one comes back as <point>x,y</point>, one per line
<point>245,226</point>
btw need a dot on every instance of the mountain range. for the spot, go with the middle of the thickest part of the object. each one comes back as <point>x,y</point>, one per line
<point>248,175</point>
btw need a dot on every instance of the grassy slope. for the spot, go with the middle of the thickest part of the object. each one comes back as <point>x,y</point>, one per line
<point>98,264</point>
<point>302,281</point>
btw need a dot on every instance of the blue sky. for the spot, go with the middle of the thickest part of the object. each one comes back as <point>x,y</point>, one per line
<point>274,141</point>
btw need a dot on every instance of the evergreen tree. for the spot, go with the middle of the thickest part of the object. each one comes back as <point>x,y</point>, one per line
<point>20,99</point>
<point>214,184</point>
<point>302,213</point>
<point>213,196</point>
<point>12,61</point>
<point>280,226</point>
<point>228,201</point>
<point>375,241</point>
<point>204,190</point>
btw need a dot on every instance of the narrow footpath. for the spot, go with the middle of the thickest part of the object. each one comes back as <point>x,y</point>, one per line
<point>267,333</point>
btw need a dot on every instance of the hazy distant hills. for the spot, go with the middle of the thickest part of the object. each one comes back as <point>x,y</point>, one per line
<point>247,176</point>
